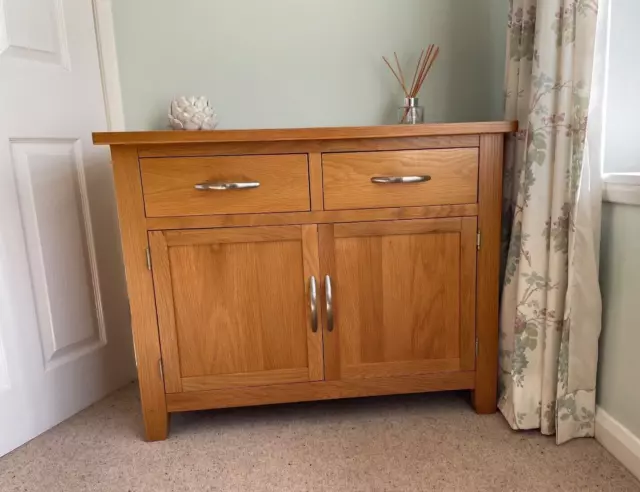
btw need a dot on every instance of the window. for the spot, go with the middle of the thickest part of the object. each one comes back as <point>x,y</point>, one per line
<point>622,137</point>
<point>620,75</point>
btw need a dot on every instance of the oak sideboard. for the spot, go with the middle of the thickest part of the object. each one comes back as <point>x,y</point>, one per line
<point>273,266</point>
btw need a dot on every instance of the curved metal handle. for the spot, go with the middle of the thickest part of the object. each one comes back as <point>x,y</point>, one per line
<point>400,179</point>
<point>329,298</point>
<point>313,300</point>
<point>226,186</point>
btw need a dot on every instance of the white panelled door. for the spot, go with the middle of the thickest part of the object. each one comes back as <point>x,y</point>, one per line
<point>64,321</point>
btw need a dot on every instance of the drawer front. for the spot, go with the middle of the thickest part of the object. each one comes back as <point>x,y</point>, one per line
<point>225,185</point>
<point>374,179</point>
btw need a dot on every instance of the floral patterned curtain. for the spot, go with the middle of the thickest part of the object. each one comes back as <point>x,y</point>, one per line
<point>551,305</point>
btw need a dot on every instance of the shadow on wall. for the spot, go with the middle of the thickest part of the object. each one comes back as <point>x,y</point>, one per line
<point>287,63</point>
<point>475,69</point>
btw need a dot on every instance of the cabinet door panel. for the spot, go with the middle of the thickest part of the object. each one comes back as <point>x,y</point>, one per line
<point>233,307</point>
<point>403,295</point>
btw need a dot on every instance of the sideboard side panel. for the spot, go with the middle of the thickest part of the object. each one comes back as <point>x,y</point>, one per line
<point>140,286</point>
<point>488,288</point>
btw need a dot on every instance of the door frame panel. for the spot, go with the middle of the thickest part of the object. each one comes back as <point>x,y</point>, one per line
<point>311,267</point>
<point>332,363</point>
<point>468,284</point>
<point>163,290</point>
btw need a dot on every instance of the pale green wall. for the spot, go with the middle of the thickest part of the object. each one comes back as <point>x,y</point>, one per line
<point>292,63</point>
<point>619,371</point>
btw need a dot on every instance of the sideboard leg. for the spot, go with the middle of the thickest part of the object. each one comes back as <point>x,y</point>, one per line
<point>484,401</point>
<point>488,284</point>
<point>156,424</point>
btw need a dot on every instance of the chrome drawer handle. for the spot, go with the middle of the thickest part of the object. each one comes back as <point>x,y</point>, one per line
<point>313,294</point>
<point>329,296</point>
<point>226,186</point>
<point>400,179</point>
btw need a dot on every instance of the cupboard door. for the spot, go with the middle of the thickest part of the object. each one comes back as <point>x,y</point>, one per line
<point>402,297</point>
<point>234,306</point>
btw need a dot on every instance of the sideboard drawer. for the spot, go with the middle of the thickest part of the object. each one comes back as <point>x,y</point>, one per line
<point>400,178</point>
<point>225,185</point>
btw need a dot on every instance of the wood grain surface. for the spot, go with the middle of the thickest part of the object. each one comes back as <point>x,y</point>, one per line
<point>453,178</point>
<point>233,305</point>
<point>326,217</point>
<point>321,390</point>
<point>307,146</point>
<point>488,294</point>
<point>169,185</point>
<point>337,133</point>
<point>400,297</point>
<point>146,340</point>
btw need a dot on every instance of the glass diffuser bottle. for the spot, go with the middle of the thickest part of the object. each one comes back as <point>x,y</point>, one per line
<point>411,113</point>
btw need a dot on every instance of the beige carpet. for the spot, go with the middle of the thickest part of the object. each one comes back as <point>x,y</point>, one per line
<point>407,443</point>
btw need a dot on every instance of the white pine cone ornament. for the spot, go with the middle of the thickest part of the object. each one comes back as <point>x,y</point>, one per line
<point>192,113</point>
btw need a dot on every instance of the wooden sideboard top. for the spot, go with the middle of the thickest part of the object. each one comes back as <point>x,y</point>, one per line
<point>301,134</point>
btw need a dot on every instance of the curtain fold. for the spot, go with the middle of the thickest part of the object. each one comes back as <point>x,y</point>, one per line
<point>551,304</point>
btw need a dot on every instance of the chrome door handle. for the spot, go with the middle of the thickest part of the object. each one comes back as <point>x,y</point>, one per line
<point>226,186</point>
<point>313,295</point>
<point>400,179</point>
<point>329,297</point>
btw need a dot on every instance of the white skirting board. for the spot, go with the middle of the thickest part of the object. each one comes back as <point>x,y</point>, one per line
<point>618,440</point>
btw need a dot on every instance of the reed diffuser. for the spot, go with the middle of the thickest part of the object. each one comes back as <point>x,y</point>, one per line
<point>411,113</point>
